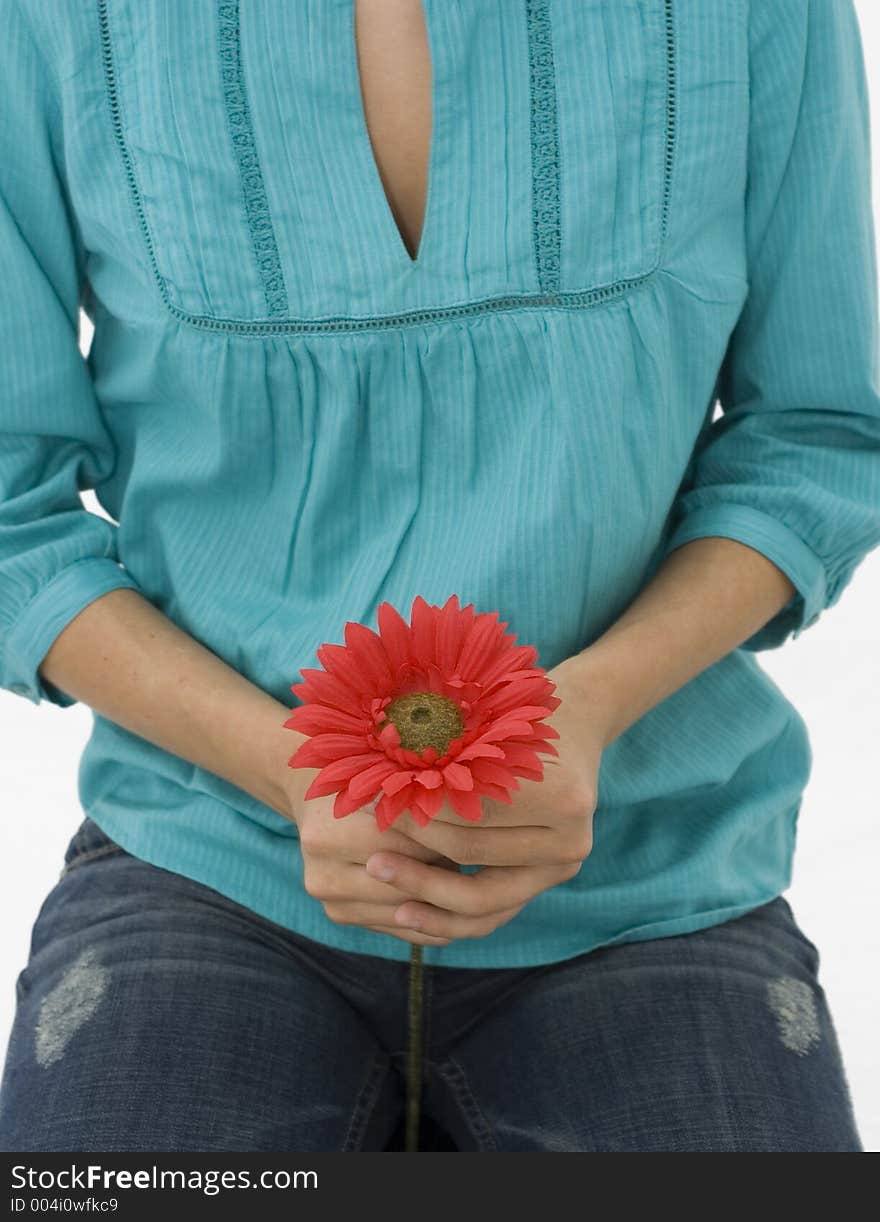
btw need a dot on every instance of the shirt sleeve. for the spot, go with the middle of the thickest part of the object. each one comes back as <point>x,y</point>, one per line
<point>791,467</point>
<point>55,556</point>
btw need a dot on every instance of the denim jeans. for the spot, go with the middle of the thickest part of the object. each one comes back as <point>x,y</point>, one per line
<point>155,1014</point>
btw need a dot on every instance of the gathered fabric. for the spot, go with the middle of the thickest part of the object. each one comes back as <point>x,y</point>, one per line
<point>637,214</point>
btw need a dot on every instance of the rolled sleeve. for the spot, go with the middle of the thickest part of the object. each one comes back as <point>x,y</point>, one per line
<point>791,466</point>
<point>55,556</point>
<point>778,543</point>
<point>52,608</point>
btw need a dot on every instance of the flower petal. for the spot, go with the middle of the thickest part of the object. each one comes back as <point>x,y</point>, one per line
<point>385,814</point>
<point>390,806</point>
<point>485,772</point>
<point>389,735</point>
<point>345,805</point>
<point>506,728</point>
<point>343,663</point>
<point>530,712</point>
<point>537,744</point>
<point>318,718</point>
<point>458,777</point>
<point>481,645</point>
<point>338,774</point>
<point>324,748</point>
<point>422,632</point>
<point>496,792</point>
<point>366,783</point>
<point>395,635</point>
<point>513,658</point>
<point>395,781</point>
<point>429,801</point>
<point>429,777</point>
<point>323,688</point>
<point>515,686</point>
<point>487,750</point>
<point>540,730</point>
<point>368,647</point>
<point>467,804</point>
<point>520,755</point>
<point>451,629</point>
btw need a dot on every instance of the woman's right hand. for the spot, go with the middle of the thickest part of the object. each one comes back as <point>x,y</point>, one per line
<point>334,854</point>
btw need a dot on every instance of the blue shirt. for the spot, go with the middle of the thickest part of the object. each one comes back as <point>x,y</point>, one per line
<point>634,211</point>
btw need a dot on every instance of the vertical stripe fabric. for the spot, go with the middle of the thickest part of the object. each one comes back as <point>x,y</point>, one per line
<point>637,213</point>
<point>243,141</point>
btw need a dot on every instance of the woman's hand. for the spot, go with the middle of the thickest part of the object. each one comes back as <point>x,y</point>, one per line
<point>334,852</point>
<point>538,840</point>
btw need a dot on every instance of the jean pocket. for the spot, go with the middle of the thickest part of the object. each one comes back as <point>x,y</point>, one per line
<point>88,842</point>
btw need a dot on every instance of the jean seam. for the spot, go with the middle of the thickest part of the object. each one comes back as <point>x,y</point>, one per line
<point>427,1006</point>
<point>366,1101</point>
<point>89,855</point>
<point>455,1078</point>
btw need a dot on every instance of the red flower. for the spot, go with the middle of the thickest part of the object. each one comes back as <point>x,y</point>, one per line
<point>447,707</point>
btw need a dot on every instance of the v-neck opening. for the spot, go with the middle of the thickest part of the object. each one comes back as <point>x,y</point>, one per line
<point>377,185</point>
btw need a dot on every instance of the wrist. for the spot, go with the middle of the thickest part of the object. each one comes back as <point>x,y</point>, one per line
<point>602,686</point>
<point>277,784</point>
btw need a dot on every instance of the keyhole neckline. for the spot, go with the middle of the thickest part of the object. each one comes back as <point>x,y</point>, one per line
<point>376,187</point>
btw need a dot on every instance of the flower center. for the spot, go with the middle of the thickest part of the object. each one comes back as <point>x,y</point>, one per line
<point>424,719</point>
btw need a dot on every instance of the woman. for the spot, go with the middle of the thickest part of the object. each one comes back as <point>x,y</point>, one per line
<point>394,299</point>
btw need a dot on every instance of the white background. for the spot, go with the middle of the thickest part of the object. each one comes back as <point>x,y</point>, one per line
<point>832,674</point>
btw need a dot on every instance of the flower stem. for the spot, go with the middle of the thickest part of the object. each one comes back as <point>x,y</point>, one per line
<point>414,1049</point>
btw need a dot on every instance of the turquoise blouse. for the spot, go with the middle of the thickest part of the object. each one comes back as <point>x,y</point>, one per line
<point>637,209</point>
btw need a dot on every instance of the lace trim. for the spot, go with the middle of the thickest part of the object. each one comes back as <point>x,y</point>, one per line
<point>244,144</point>
<point>545,146</point>
<point>578,299</point>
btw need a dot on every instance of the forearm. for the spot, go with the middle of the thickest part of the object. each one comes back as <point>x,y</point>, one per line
<point>132,664</point>
<point>708,597</point>
<point>135,666</point>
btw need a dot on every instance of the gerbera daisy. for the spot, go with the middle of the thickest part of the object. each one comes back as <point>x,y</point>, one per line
<point>446,707</point>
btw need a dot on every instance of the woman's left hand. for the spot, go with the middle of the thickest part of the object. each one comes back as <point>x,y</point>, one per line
<point>538,840</point>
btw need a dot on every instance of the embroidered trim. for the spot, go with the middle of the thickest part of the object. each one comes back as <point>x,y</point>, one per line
<point>244,144</point>
<point>545,146</point>
<point>671,124</point>
<point>573,300</point>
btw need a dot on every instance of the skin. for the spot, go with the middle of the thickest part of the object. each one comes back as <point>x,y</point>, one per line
<point>133,665</point>
<point>706,599</point>
<point>394,66</point>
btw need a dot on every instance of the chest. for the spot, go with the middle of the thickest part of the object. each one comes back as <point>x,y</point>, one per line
<point>345,164</point>
<point>394,64</point>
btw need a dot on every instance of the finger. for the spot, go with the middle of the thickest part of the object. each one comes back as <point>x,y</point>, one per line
<point>523,810</point>
<point>426,919</point>
<point>473,845</point>
<point>491,890</point>
<point>339,882</point>
<point>370,916</point>
<point>409,935</point>
<point>355,837</point>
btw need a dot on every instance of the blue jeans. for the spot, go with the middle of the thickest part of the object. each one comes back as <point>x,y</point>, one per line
<point>155,1014</point>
